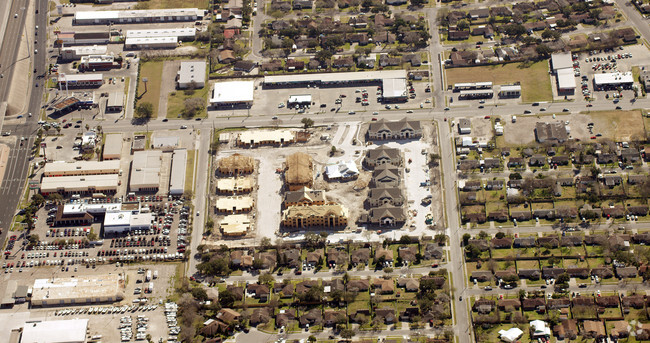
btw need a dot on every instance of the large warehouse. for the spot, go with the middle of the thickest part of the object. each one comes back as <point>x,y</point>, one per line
<point>55,331</point>
<point>562,68</point>
<point>610,81</point>
<point>181,33</point>
<point>394,90</point>
<point>77,290</point>
<point>113,147</point>
<point>82,38</point>
<point>137,16</point>
<point>232,93</point>
<point>81,168</point>
<point>177,179</point>
<point>151,43</point>
<point>334,79</point>
<point>80,184</point>
<point>145,171</point>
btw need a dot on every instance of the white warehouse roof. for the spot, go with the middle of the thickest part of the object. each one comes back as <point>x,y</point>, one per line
<point>232,91</point>
<point>134,14</point>
<point>613,78</point>
<point>179,165</point>
<point>80,183</point>
<point>302,98</point>
<point>394,88</point>
<point>510,88</point>
<point>181,32</point>
<point>86,50</point>
<point>561,60</point>
<point>81,167</point>
<point>55,331</point>
<point>566,79</point>
<point>150,40</point>
<point>80,77</point>
<point>337,77</point>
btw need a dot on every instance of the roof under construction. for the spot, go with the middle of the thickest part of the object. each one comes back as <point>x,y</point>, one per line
<point>299,168</point>
<point>236,162</point>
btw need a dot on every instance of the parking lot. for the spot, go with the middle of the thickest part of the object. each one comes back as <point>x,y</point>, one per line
<point>76,247</point>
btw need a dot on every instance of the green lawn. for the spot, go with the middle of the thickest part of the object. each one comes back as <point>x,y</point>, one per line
<point>153,72</point>
<point>189,171</point>
<point>535,82</point>
<point>176,102</point>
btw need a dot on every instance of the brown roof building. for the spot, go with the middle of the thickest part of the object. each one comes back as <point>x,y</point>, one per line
<point>299,172</point>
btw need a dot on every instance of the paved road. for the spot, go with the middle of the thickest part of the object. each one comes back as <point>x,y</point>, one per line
<point>18,163</point>
<point>200,194</point>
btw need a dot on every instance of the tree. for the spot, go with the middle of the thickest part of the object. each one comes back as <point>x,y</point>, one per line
<point>515,30</point>
<point>547,34</point>
<point>311,339</point>
<point>227,298</point>
<point>462,24</point>
<point>192,107</point>
<point>144,110</point>
<point>324,55</point>
<point>314,240</point>
<point>307,122</point>
<point>266,243</point>
<point>500,235</point>
<point>265,279</point>
<point>543,50</point>
<point>199,293</point>
<point>37,200</point>
<point>466,238</point>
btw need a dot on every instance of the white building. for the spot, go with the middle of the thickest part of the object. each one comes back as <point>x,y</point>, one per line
<point>342,171</point>
<point>609,81</point>
<point>187,34</point>
<point>151,43</point>
<point>115,102</point>
<point>394,89</point>
<point>299,100</point>
<point>137,16</point>
<point>540,328</point>
<point>60,168</point>
<point>112,147</point>
<point>71,53</point>
<point>55,331</point>
<point>566,80</point>
<point>124,221</point>
<point>561,61</point>
<point>80,80</point>
<point>232,93</point>
<point>80,184</point>
<point>510,335</point>
<point>177,179</point>
<point>145,171</point>
<point>510,91</point>
<point>191,72</point>
<point>77,290</point>
<point>347,78</point>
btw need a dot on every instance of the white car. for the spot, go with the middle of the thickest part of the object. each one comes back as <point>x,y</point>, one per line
<point>281,105</point>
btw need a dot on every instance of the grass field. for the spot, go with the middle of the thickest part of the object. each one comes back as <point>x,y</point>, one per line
<point>623,125</point>
<point>189,171</point>
<point>153,4</point>
<point>535,82</point>
<point>153,72</point>
<point>176,102</point>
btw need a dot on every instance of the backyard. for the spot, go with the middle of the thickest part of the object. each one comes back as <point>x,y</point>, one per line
<point>534,79</point>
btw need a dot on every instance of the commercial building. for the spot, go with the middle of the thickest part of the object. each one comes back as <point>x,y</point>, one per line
<point>80,80</point>
<point>334,79</point>
<point>78,168</point>
<point>232,93</point>
<point>234,204</point>
<point>179,166</point>
<point>566,81</point>
<point>71,53</point>
<point>400,129</point>
<point>55,331</point>
<point>137,16</point>
<point>510,91</point>
<point>145,171</point>
<point>115,102</point>
<point>125,221</point>
<point>562,67</point>
<point>150,43</point>
<point>78,290</point>
<point>610,81</point>
<point>299,171</point>
<point>113,147</point>
<point>82,38</point>
<point>95,62</point>
<point>191,73</point>
<point>85,99</point>
<point>464,126</point>
<point>235,225</point>
<point>80,184</point>
<point>458,87</point>
<point>184,34</point>
<point>394,90</point>
<point>476,94</point>
<point>251,139</point>
<point>328,215</point>
<point>236,164</point>
<point>561,61</point>
<point>299,100</point>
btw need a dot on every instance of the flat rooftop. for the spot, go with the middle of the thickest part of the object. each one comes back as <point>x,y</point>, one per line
<point>78,287</point>
<point>337,77</point>
<point>80,183</point>
<point>55,331</point>
<point>180,32</point>
<point>179,166</point>
<point>80,77</point>
<point>108,15</point>
<point>86,50</point>
<point>232,92</point>
<point>151,40</point>
<point>85,167</point>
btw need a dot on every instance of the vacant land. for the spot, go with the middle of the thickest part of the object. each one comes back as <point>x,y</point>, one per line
<point>153,72</point>
<point>176,102</point>
<point>617,125</point>
<point>535,82</point>
<point>172,4</point>
<point>189,171</point>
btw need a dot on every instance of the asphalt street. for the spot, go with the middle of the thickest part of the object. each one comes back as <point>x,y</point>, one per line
<point>18,163</point>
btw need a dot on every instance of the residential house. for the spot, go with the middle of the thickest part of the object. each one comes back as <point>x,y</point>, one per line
<point>566,329</point>
<point>550,241</point>
<point>358,286</point>
<point>305,286</point>
<point>261,315</point>
<point>302,4</point>
<point>311,318</point>
<point>593,329</point>
<point>290,258</point>
<point>482,244</point>
<point>508,305</point>
<point>479,13</point>
<point>343,62</point>
<point>360,256</point>
<point>524,242</point>
<point>552,272</point>
<point>533,304</point>
<point>499,215</point>
<point>501,243</point>
<point>492,185</point>
<point>313,257</point>
<point>407,253</point>
<point>409,284</point>
<point>558,303</point>
<point>483,305</point>
<point>331,318</point>
<point>537,160</point>
<point>608,301</point>
<point>620,329</point>
<point>384,286</point>
<point>336,257</point>
<point>530,274</point>
<point>516,162</point>
<point>626,272</point>
<point>383,155</point>
<point>292,65</point>
<point>285,317</point>
<point>581,273</point>
<point>245,66</point>
<point>268,259</point>
<point>456,35</point>
<point>236,291</point>
<point>570,241</point>
<point>554,132</point>
<point>258,291</point>
<point>385,254</point>
<point>387,314</point>
<point>602,272</point>
<point>433,251</point>
<point>481,275</point>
